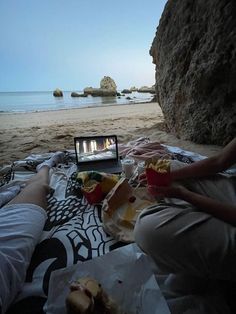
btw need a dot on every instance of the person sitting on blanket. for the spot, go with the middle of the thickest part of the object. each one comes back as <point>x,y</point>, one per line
<point>21,224</point>
<point>196,237</point>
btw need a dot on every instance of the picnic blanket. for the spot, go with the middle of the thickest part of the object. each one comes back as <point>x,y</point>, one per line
<point>73,231</point>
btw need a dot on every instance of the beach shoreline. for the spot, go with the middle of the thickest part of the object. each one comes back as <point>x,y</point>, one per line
<point>22,134</point>
<point>75,108</point>
<point>18,102</point>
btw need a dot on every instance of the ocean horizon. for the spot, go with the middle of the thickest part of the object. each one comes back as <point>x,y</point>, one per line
<point>45,101</point>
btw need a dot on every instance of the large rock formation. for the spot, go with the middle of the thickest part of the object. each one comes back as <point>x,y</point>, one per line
<point>195,55</point>
<point>108,83</point>
<point>107,88</point>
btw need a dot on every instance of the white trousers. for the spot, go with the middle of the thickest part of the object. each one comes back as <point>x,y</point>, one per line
<point>182,239</point>
<point>21,226</point>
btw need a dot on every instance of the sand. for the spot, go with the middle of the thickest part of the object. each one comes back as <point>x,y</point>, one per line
<point>24,133</point>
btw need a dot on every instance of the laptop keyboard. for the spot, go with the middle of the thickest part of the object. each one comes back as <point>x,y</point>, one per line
<point>108,168</point>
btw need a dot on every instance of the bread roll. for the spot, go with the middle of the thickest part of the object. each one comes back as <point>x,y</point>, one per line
<point>78,302</point>
<point>88,297</point>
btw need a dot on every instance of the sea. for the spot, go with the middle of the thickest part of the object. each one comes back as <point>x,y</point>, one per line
<point>44,101</point>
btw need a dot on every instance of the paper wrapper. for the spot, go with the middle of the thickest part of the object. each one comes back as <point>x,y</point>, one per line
<point>125,274</point>
<point>121,208</point>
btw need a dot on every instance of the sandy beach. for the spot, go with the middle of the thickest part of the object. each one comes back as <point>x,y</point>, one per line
<point>24,133</point>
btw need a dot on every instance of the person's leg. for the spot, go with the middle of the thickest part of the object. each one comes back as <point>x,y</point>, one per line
<point>181,240</point>
<point>36,190</point>
<point>216,186</point>
<point>37,187</point>
<point>21,224</point>
<point>194,248</point>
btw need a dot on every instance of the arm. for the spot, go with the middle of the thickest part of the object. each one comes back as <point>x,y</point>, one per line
<point>208,166</point>
<point>222,211</point>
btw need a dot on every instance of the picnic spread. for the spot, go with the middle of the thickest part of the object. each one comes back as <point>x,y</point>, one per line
<point>82,225</point>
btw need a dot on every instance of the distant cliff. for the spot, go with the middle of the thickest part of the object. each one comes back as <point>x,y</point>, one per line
<point>195,55</point>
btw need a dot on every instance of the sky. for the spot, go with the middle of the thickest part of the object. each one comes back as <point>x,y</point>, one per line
<point>72,44</point>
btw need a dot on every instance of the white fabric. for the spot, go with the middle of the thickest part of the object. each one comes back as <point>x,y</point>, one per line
<point>21,226</point>
<point>8,193</point>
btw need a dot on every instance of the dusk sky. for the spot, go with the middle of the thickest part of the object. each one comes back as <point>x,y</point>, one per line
<point>71,44</point>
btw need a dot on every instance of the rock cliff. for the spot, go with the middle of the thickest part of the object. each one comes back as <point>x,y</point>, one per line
<point>195,55</point>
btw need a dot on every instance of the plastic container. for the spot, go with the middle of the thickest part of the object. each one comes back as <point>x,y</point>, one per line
<point>128,166</point>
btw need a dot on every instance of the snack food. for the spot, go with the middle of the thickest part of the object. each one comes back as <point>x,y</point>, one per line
<point>88,297</point>
<point>158,172</point>
<point>159,165</point>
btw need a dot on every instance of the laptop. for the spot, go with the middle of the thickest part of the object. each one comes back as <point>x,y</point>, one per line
<point>97,153</point>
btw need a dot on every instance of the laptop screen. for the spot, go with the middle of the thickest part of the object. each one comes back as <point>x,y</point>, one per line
<point>96,148</point>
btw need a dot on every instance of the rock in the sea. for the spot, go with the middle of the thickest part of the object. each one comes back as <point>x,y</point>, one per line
<point>108,83</point>
<point>146,89</point>
<point>195,55</point>
<point>74,94</point>
<point>107,88</point>
<point>88,90</point>
<point>99,92</point>
<point>57,93</point>
<point>126,91</point>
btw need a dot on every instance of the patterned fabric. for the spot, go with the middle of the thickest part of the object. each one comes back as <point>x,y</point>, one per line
<point>73,233</point>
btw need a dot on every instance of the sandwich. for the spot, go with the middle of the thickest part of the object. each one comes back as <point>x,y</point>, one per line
<point>88,297</point>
